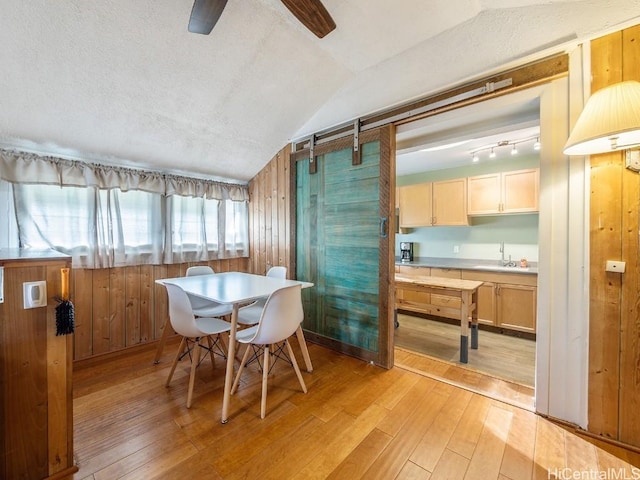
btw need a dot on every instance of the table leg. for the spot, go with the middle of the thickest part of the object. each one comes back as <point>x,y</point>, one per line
<point>163,340</point>
<point>303,348</point>
<point>464,328</point>
<point>228,379</point>
<point>474,321</point>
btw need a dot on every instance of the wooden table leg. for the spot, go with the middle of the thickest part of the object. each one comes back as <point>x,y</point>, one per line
<point>464,328</point>
<point>163,340</point>
<point>303,348</point>
<point>228,378</point>
<point>474,320</point>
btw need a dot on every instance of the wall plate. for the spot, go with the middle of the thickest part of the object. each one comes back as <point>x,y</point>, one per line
<point>34,294</point>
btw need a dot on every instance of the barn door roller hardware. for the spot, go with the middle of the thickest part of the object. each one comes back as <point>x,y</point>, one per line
<point>313,165</point>
<point>356,158</point>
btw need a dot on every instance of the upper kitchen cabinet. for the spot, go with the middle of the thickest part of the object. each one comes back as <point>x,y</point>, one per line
<point>504,193</point>
<point>434,204</point>
<point>415,205</point>
<point>449,204</point>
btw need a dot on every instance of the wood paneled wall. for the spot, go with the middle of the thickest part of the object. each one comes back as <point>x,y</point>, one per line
<point>116,308</point>
<point>614,345</point>
<point>270,216</point>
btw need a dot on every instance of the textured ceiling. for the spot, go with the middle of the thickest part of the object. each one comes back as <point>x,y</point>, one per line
<point>121,81</point>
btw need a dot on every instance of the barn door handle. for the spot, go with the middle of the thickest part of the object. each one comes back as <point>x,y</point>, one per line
<point>383,227</point>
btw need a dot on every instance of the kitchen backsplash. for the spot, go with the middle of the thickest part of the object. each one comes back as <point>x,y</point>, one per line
<point>481,240</point>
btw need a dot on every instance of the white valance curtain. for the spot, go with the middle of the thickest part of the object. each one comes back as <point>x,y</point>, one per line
<point>30,168</point>
<point>106,216</point>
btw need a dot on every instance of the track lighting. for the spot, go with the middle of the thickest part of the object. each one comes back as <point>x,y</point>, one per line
<point>494,148</point>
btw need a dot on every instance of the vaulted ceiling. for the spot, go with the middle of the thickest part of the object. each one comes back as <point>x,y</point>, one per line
<point>121,81</point>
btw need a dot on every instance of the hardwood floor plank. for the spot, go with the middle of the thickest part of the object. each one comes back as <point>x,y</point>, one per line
<point>359,460</point>
<point>451,465</point>
<point>356,421</point>
<point>434,441</point>
<point>398,416</point>
<point>390,462</point>
<point>465,437</point>
<point>342,445</point>
<point>411,471</point>
<point>549,454</point>
<point>517,461</point>
<point>487,456</point>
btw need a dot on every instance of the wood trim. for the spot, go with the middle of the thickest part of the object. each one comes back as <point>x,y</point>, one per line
<point>524,76</point>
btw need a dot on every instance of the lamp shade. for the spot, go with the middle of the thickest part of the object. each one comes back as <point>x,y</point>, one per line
<point>610,121</point>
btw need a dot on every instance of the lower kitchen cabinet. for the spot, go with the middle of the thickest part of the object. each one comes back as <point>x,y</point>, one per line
<point>506,300</point>
<point>487,303</point>
<point>516,305</point>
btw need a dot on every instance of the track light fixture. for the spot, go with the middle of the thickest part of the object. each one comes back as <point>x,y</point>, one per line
<point>492,149</point>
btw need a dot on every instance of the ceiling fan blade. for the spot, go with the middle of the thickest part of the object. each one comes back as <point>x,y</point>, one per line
<point>313,15</point>
<point>205,14</point>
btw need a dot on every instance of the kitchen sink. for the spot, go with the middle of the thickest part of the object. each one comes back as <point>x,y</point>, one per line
<point>500,268</point>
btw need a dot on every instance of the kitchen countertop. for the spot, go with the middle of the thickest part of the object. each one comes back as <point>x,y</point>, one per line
<point>469,264</point>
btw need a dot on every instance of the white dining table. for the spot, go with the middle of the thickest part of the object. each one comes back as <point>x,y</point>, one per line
<point>236,289</point>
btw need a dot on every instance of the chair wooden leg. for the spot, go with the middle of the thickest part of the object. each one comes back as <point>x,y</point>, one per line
<point>295,366</point>
<point>244,360</point>
<point>265,374</point>
<point>175,360</point>
<point>194,363</point>
<point>304,349</point>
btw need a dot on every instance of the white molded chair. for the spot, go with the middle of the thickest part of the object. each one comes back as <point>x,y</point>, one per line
<point>202,307</point>
<point>193,331</point>
<point>250,315</point>
<point>281,316</point>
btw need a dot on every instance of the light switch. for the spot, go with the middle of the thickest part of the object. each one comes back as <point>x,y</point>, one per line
<point>34,294</point>
<point>613,266</point>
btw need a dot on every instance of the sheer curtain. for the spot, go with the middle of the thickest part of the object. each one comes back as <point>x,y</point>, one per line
<point>108,216</point>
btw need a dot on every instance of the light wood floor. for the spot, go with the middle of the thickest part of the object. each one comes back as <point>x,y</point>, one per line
<point>356,421</point>
<point>503,356</point>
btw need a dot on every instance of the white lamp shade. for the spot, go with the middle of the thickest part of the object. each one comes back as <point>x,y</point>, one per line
<point>610,121</point>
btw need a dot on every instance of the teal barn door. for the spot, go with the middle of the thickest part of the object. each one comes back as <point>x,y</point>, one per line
<point>344,236</point>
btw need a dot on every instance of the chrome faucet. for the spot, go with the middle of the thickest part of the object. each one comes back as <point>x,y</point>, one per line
<point>506,263</point>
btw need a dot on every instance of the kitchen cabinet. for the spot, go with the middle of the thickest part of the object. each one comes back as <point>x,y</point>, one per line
<point>433,204</point>
<point>503,193</point>
<point>506,300</point>
<point>36,412</point>
<point>516,307</point>
<point>415,205</point>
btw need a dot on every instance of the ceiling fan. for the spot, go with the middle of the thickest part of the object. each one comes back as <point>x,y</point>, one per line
<point>311,13</point>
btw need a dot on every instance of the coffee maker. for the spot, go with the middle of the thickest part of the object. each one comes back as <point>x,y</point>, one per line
<point>406,252</point>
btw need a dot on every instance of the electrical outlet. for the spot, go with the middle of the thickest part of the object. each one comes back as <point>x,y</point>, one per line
<point>456,249</point>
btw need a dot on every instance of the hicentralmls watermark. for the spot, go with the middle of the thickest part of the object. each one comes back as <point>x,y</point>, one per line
<point>607,474</point>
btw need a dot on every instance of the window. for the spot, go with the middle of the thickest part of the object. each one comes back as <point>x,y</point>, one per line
<point>105,228</point>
